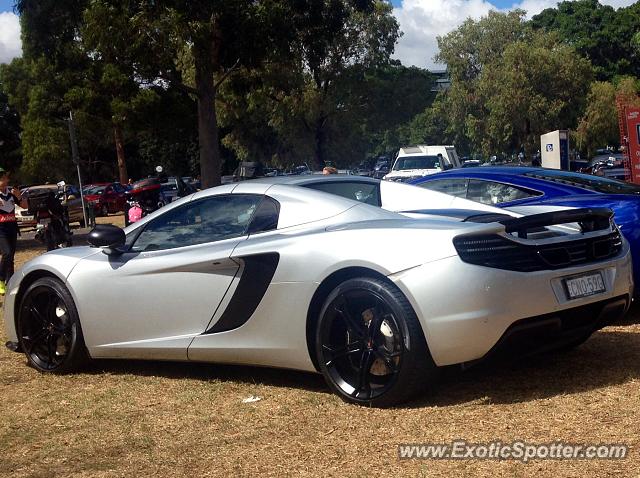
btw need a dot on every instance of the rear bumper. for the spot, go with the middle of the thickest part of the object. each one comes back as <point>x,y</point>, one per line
<point>465,309</point>
<point>552,331</point>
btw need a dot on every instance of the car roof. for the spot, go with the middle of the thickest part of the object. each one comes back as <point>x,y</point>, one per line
<point>298,180</point>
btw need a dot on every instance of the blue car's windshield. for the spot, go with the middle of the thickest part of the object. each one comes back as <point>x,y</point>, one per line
<point>592,183</point>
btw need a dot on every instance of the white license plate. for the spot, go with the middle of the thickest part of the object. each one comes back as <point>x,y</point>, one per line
<point>585,285</point>
<point>45,220</point>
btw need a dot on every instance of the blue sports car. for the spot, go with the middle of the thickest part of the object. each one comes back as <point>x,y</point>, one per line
<point>518,187</point>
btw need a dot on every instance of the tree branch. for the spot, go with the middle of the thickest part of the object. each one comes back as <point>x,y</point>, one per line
<point>178,83</point>
<point>226,74</point>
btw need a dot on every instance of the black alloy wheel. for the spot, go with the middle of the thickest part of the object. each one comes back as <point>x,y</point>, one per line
<point>49,329</point>
<point>370,345</point>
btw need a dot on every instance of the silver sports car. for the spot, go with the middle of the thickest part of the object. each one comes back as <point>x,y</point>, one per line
<point>375,285</point>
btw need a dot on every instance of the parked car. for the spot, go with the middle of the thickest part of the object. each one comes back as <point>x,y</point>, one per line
<point>24,218</point>
<point>174,188</point>
<point>518,188</point>
<point>104,198</point>
<point>380,169</point>
<point>377,321</point>
<point>190,181</point>
<point>415,162</point>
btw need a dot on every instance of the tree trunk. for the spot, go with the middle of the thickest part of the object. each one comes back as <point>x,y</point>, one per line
<point>319,146</point>
<point>122,165</point>
<point>210,163</point>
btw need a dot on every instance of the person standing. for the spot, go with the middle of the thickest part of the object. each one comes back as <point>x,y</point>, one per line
<point>8,228</point>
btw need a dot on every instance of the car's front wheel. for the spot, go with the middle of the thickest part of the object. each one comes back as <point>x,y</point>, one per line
<point>49,328</point>
<point>370,346</point>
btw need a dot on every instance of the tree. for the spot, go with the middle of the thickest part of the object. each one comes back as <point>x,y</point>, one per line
<point>510,84</point>
<point>211,40</point>
<point>336,92</point>
<point>34,90</point>
<point>10,155</point>
<point>468,52</point>
<point>267,113</point>
<point>598,126</point>
<point>598,32</point>
<point>53,76</point>
<point>538,85</point>
<point>336,42</point>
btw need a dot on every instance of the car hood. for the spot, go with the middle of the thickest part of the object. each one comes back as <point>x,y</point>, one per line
<point>92,197</point>
<point>412,172</point>
<point>59,262</point>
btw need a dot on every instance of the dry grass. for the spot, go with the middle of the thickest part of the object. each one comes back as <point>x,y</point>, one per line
<point>130,418</point>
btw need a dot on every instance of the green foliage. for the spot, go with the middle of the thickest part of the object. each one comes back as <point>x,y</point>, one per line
<point>599,125</point>
<point>336,93</point>
<point>598,32</point>
<point>10,154</point>
<point>510,84</point>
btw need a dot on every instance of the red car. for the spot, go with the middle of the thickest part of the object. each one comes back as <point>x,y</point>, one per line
<point>105,197</point>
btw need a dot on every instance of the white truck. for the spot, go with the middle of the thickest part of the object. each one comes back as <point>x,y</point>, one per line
<point>413,162</point>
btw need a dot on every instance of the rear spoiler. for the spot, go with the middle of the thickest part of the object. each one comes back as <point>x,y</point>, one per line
<point>589,219</point>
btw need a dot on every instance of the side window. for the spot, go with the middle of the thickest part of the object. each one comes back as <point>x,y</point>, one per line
<point>207,220</point>
<point>361,191</point>
<point>491,192</point>
<point>453,187</point>
<point>266,216</point>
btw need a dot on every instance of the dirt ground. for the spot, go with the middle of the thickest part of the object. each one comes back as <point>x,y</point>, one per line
<point>131,418</point>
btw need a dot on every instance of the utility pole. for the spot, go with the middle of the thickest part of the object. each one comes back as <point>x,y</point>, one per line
<point>76,160</point>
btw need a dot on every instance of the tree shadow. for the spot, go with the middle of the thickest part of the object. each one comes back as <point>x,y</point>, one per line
<point>607,358</point>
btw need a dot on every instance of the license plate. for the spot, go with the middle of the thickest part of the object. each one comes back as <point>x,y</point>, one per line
<point>45,220</point>
<point>584,285</point>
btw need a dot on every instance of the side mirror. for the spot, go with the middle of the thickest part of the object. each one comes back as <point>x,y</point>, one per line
<point>447,166</point>
<point>109,237</point>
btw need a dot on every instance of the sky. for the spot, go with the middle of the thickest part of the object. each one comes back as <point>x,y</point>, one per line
<point>421,21</point>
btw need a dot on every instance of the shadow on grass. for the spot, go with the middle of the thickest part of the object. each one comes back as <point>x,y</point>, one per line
<point>607,358</point>
<point>213,371</point>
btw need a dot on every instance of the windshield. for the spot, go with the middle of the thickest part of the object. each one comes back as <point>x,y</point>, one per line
<point>592,183</point>
<point>417,162</point>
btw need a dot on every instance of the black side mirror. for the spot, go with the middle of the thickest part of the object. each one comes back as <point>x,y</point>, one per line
<point>447,167</point>
<point>111,238</point>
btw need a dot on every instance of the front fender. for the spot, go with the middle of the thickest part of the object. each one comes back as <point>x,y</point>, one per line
<point>58,263</point>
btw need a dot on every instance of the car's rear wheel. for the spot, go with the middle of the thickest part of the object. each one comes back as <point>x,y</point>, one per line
<point>49,328</point>
<point>104,211</point>
<point>370,346</point>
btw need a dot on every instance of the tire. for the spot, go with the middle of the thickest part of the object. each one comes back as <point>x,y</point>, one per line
<point>49,330</point>
<point>104,210</point>
<point>370,346</point>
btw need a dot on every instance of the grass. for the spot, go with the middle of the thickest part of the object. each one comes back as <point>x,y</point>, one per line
<point>169,419</point>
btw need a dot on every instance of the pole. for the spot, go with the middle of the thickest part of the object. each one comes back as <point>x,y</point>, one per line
<point>76,160</point>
